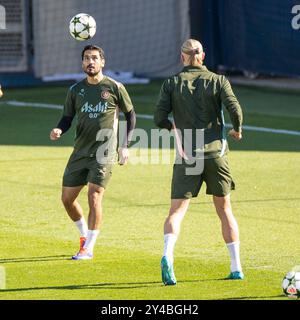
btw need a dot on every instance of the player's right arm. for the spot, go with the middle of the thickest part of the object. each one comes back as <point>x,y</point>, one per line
<point>163,107</point>
<point>65,122</point>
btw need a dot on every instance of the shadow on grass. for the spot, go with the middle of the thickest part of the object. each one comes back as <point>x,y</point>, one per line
<point>112,285</point>
<point>264,218</point>
<point>108,285</point>
<point>254,297</point>
<point>210,202</point>
<point>132,285</point>
<point>35,259</point>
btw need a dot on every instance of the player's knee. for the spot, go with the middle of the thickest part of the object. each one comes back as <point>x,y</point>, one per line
<point>223,208</point>
<point>67,200</point>
<point>95,196</point>
<point>172,211</point>
<point>222,204</point>
<point>95,192</point>
<point>175,212</point>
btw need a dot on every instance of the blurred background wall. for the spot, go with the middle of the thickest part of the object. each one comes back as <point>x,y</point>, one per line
<point>144,37</point>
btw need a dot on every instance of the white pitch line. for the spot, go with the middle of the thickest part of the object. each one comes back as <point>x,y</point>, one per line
<point>32,104</point>
<point>245,127</point>
<point>145,116</point>
<point>280,131</point>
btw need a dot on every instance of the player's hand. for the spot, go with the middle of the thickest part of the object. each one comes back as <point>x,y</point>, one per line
<point>235,134</point>
<point>123,156</point>
<point>55,134</point>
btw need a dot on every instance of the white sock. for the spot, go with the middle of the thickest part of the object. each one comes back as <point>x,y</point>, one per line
<point>169,244</point>
<point>82,227</point>
<point>234,251</point>
<point>91,240</point>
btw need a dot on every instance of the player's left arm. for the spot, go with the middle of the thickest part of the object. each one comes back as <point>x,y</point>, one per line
<point>126,106</point>
<point>233,107</point>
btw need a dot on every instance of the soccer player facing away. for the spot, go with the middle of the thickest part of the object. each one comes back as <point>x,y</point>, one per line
<point>195,97</point>
<point>95,101</point>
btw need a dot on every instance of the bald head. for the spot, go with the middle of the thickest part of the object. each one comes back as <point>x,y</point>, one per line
<point>192,53</point>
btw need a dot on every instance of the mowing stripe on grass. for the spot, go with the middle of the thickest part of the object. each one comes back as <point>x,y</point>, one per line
<point>146,117</point>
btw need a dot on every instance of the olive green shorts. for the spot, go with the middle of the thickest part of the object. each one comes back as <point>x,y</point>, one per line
<point>82,169</point>
<point>216,175</point>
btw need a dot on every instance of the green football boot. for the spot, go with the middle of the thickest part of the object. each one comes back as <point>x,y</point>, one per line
<point>167,272</point>
<point>236,275</point>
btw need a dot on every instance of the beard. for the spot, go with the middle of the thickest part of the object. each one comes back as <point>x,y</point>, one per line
<point>91,71</point>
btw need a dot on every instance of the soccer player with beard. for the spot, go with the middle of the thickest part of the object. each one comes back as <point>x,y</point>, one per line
<point>95,101</point>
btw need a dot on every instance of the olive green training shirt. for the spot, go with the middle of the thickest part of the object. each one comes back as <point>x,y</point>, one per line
<point>195,97</point>
<point>96,107</point>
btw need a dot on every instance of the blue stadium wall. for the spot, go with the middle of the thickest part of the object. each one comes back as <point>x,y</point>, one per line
<point>251,35</point>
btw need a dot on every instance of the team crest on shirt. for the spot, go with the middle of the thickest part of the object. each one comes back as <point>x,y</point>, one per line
<point>81,93</point>
<point>105,94</point>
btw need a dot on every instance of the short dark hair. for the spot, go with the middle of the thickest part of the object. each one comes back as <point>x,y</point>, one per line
<point>93,47</point>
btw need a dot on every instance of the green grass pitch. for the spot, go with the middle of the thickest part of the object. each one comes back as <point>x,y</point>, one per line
<point>38,238</point>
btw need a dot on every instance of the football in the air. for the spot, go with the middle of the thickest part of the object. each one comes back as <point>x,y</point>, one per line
<point>82,27</point>
<point>291,284</point>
